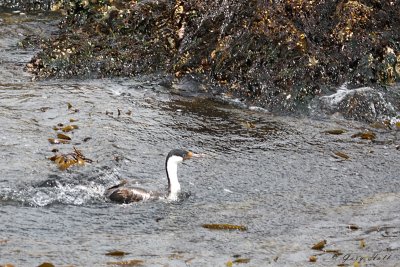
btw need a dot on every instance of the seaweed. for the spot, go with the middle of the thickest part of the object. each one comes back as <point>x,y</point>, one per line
<point>218,226</point>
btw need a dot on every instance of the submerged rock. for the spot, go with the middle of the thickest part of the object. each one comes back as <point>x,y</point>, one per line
<point>364,104</point>
<point>279,54</point>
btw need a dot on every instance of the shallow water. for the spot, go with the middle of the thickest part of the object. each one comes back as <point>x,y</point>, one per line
<point>274,175</point>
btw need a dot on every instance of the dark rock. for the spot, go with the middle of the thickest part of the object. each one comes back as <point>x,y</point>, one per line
<point>363,104</point>
<point>277,55</point>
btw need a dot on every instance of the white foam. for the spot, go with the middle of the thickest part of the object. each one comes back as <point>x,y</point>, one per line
<point>341,93</point>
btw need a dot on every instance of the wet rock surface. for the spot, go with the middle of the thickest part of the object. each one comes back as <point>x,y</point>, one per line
<point>27,5</point>
<point>363,104</point>
<point>279,55</point>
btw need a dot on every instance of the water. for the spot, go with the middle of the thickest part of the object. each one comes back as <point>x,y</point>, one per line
<point>275,175</point>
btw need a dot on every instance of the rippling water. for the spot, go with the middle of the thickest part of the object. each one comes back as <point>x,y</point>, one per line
<point>275,175</point>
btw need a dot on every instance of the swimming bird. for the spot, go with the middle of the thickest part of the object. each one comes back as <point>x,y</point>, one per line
<point>121,194</point>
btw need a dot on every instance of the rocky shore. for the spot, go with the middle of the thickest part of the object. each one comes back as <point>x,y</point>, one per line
<point>276,54</point>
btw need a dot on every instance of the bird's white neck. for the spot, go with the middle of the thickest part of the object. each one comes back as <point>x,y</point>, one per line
<point>172,172</point>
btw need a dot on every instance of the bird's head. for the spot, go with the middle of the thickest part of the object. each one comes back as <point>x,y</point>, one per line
<point>179,155</point>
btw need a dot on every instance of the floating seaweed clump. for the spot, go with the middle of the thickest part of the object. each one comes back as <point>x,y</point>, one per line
<point>313,258</point>
<point>367,135</point>
<point>339,154</point>
<point>241,260</point>
<point>69,128</point>
<point>237,261</point>
<point>335,131</point>
<point>116,253</point>
<point>223,226</point>
<point>54,141</point>
<point>353,227</point>
<point>319,246</point>
<point>63,136</point>
<point>127,263</point>
<point>65,161</point>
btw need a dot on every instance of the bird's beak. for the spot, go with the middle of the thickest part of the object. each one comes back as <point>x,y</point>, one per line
<point>188,155</point>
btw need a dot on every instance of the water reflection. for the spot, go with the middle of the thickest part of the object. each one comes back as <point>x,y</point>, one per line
<point>221,123</point>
